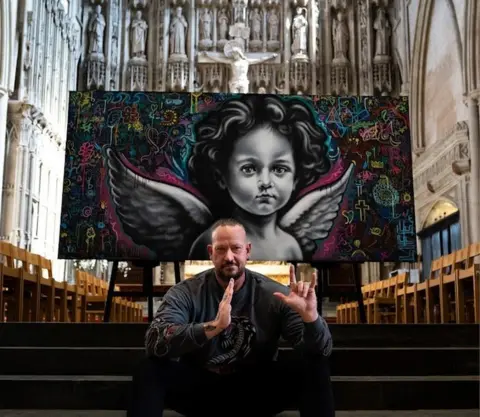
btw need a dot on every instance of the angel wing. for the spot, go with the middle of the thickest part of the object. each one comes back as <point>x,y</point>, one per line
<point>164,218</point>
<point>312,217</point>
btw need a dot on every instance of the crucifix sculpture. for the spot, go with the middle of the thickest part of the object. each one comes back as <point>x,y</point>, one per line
<point>239,65</point>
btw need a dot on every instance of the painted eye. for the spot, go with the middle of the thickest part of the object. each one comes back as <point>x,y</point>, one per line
<point>280,170</point>
<point>248,169</point>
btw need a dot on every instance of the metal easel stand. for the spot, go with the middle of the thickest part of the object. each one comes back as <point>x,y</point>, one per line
<point>147,288</point>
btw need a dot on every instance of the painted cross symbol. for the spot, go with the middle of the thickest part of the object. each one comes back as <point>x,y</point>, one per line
<point>362,208</point>
<point>359,184</point>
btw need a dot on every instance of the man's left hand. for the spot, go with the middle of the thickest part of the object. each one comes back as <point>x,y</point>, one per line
<point>302,298</point>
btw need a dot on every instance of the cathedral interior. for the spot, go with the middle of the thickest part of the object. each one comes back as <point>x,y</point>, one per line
<point>427,50</point>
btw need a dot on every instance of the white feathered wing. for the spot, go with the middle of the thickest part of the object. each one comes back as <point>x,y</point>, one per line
<point>164,218</point>
<point>312,217</point>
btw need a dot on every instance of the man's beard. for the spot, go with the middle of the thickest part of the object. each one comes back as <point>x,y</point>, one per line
<point>224,276</point>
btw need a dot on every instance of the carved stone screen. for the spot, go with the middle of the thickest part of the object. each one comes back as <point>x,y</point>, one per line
<point>310,178</point>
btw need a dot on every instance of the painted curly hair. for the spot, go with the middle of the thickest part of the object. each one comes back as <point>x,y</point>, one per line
<point>218,131</point>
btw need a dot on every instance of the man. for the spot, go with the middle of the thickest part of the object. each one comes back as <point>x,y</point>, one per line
<point>222,328</point>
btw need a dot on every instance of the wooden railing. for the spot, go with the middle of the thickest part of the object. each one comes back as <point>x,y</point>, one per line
<point>451,294</point>
<point>29,292</point>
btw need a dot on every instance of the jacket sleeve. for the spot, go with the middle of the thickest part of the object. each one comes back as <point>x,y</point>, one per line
<point>171,334</point>
<point>313,338</point>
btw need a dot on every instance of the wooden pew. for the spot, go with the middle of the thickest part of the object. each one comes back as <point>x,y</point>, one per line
<point>379,301</point>
<point>467,271</point>
<point>13,281</point>
<point>29,292</point>
<point>403,311</point>
<point>123,310</point>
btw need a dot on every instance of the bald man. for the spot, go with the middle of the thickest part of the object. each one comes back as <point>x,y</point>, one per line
<point>212,347</point>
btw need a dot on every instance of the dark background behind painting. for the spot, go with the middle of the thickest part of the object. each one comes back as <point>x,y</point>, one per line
<point>154,132</point>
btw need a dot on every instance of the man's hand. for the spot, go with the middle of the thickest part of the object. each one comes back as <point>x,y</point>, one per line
<point>223,319</point>
<point>302,298</point>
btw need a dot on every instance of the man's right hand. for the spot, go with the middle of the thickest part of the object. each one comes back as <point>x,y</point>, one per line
<point>223,318</point>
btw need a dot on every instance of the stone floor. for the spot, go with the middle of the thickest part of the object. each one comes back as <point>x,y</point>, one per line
<point>419,413</point>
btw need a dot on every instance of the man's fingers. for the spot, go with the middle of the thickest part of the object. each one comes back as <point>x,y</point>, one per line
<point>306,288</point>
<point>314,281</point>
<point>282,297</point>
<point>293,278</point>
<point>227,297</point>
<point>300,285</point>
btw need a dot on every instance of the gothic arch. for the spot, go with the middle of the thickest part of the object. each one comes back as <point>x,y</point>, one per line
<point>442,208</point>
<point>472,45</point>
<point>419,62</point>
<point>6,49</point>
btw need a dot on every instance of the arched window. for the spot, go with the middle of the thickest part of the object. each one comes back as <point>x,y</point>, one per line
<point>441,233</point>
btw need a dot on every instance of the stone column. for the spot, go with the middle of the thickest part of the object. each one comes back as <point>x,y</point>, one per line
<point>191,45</point>
<point>3,141</point>
<point>473,133</point>
<point>14,190</point>
<point>370,272</point>
<point>24,209</point>
<point>287,43</point>
<point>312,44</point>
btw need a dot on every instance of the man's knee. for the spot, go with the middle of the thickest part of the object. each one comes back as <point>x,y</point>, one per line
<point>152,369</point>
<point>318,365</point>
<point>309,367</point>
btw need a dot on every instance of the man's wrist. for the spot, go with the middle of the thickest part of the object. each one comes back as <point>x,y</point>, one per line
<point>212,329</point>
<point>310,317</point>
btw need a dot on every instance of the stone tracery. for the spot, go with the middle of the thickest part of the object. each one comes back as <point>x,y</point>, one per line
<point>317,48</point>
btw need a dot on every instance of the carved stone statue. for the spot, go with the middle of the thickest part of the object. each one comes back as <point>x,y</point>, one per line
<point>300,30</point>
<point>262,90</point>
<point>340,37</point>
<point>178,27</point>
<point>273,22</point>
<point>282,88</point>
<point>96,30</point>
<point>239,64</point>
<point>382,33</point>
<point>206,25</point>
<point>139,35</point>
<point>197,87</point>
<point>222,25</point>
<point>256,22</point>
<point>239,11</point>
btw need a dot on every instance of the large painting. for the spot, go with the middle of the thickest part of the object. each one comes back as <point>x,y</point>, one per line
<point>311,178</point>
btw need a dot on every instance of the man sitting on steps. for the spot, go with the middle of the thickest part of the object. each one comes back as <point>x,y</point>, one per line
<point>212,344</point>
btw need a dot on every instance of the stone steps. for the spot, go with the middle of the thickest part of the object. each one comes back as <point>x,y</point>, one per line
<point>121,361</point>
<point>381,367</point>
<point>368,413</point>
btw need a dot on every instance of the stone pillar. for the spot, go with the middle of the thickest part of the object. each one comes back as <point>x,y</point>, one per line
<point>192,25</point>
<point>14,209</point>
<point>473,133</point>
<point>3,141</point>
<point>370,272</point>
<point>312,44</point>
<point>287,43</point>
<point>24,209</point>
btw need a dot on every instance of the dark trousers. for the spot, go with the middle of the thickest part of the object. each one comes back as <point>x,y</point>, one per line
<point>264,390</point>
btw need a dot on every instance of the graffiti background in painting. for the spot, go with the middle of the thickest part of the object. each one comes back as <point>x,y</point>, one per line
<point>311,178</point>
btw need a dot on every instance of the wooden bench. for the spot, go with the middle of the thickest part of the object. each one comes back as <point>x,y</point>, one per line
<point>29,292</point>
<point>450,294</point>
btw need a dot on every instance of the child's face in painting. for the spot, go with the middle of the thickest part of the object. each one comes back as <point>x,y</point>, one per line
<point>261,172</point>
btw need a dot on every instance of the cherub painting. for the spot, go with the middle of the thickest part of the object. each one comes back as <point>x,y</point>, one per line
<point>253,156</point>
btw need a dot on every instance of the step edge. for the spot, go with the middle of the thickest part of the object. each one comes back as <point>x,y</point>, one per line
<point>340,348</point>
<point>343,378</point>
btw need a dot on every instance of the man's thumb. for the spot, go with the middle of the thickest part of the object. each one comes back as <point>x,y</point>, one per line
<point>282,297</point>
